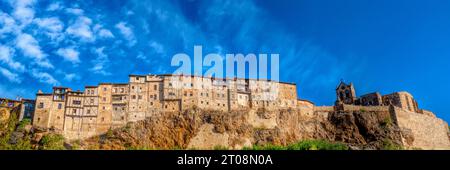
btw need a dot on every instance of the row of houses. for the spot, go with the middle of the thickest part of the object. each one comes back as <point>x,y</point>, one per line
<point>80,114</point>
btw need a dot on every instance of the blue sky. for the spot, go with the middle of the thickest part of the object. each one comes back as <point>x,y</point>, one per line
<point>383,46</point>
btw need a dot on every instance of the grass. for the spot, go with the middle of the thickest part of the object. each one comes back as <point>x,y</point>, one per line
<point>303,145</point>
<point>389,145</point>
<point>52,142</point>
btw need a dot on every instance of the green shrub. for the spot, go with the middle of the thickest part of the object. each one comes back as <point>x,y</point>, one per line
<point>23,123</point>
<point>389,145</point>
<point>221,148</point>
<point>52,142</point>
<point>109,134</point>
<point>266,147</point>
<point>303,145</point>
<point>317,145</point>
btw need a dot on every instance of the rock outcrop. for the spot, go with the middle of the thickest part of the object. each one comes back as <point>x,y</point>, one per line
<point>201,129</point>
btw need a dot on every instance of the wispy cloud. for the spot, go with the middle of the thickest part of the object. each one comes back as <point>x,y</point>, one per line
<point>102,32</point>
<point>127,32</point>
<point>6,56</point>
<point>30,48</point>
<point>45,77</point>
<point>23,10</point>
<point>101,62</point>
<point>12,77</point>
<point>54,6</point>
<point>81,28</point>
<point>71,77</point>
<point>75,11</point>
<point>69,54</point>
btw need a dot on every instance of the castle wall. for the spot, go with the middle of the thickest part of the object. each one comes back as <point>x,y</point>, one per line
<point>428,132</point>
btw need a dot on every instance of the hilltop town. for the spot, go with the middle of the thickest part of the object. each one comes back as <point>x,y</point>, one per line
<point>80,115</point>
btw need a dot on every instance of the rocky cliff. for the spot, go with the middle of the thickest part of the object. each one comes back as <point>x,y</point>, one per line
<point>202,129</point>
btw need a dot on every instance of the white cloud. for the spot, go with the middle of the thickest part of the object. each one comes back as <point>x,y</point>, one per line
<point>23,10</point>
<point>157,47</point>
<point>7,24</point>
<point>141,56</point>
<point>69,54</point>
<point>100,63</point>
<point>44,77</point>
<point>75,11</point>
<point>30,48</point>
<point>12,77</point>
<point>6,56</point>
<point>102,32</point>
<point>105,33</point>
<point>81,29</point>
<point>52,27</point>
<point>54,6</point>
<point>71,76</point>
<point>52,24</point>
<point>127,32</point>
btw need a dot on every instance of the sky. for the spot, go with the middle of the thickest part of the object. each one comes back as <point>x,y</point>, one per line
<point>385,46</point>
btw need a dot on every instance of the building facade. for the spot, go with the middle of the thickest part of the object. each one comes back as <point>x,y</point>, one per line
<point>404,100</point>
<point>81,114</point>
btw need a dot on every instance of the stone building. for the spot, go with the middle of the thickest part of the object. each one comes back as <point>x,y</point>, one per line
<point>346,95</point>
<point>26,106</point>
<point>81,114</point>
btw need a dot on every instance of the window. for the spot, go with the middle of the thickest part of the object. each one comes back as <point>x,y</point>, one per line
<point>104,89</point>
<point>76,102</point>
<point>170,84</point>
<point>74,111</point>
<point>132,87</point>
<point>137,78</point>
<point>41,105</point>
<point>133,97</point>
<point>104,107</point>
<point>104,99</point>
<point>155,87</point>
<point>139,97</point>
<point>151,103</point>
<point>88,111</point>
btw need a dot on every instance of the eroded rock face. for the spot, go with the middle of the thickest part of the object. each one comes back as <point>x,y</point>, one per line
<point>370,130</point>
<point>200,129</point>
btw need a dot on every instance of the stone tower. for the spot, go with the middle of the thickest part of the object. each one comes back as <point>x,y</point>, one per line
<point>346,93</point>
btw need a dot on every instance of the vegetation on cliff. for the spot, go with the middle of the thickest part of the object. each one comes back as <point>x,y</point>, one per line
<point>303,145</point>
<point>19,135</point>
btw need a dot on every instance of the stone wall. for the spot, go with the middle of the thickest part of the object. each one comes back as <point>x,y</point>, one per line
<point>422,131</point>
